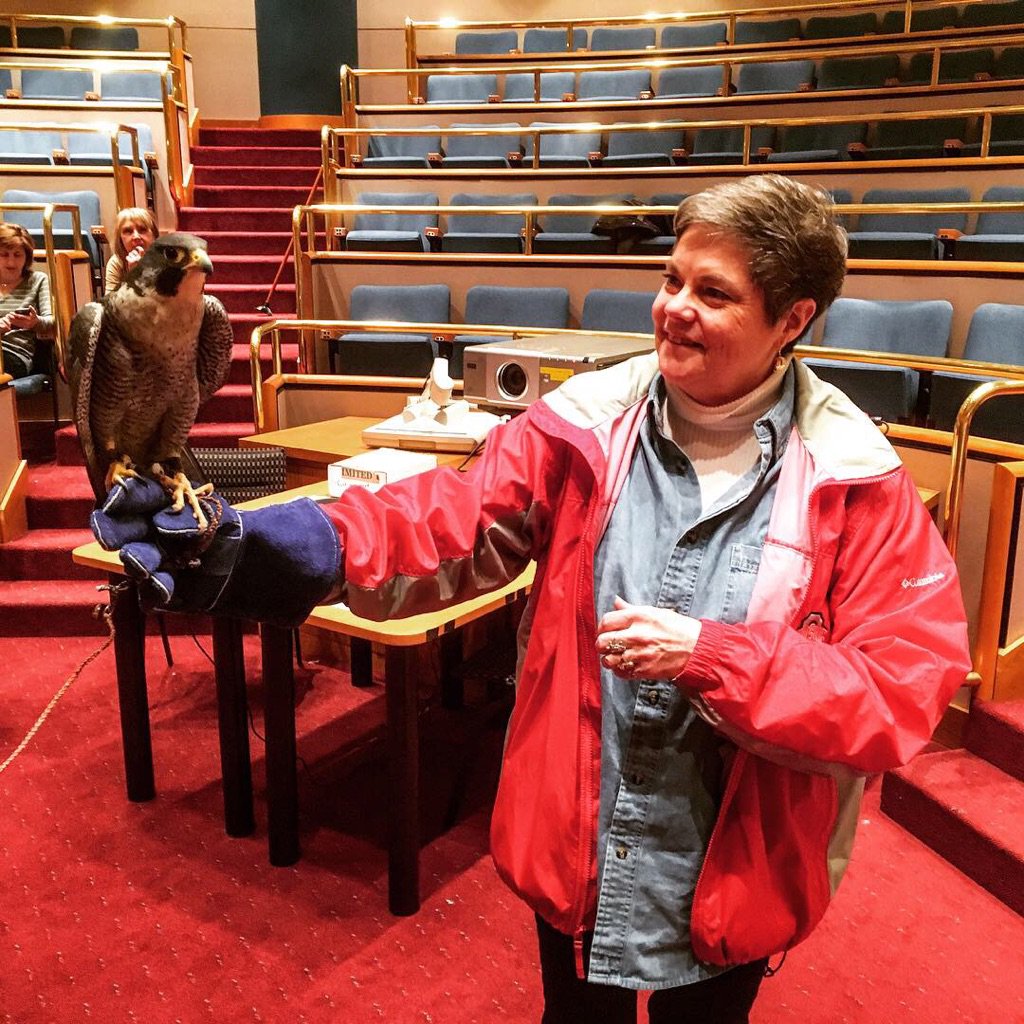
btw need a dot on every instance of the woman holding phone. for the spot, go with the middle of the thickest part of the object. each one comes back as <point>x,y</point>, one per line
<point>25,311</point>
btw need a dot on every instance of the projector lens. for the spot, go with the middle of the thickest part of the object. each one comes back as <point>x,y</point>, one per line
<point>512,381</point>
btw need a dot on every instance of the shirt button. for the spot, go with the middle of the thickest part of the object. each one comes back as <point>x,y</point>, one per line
<point>621,852</point>
<point>651,696</point>
<point>637,779</point>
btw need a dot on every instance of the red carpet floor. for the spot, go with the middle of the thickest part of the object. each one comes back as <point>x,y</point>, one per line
<point>115,912</point>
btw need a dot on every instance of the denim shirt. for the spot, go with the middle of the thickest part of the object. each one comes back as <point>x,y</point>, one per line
<point>661,765</point>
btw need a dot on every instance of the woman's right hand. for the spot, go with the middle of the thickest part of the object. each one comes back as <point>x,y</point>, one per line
<point>134,256</point>
<point>22,321</point>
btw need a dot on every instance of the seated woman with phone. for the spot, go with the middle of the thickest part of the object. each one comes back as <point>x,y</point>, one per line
<point>25,311</point>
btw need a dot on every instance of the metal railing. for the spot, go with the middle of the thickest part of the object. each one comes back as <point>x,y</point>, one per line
<point>177,30</point>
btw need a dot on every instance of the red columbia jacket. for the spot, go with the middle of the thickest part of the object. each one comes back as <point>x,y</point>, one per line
<point>854,643</point>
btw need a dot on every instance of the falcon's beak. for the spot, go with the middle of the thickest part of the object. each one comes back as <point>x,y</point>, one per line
<point>200,261</point>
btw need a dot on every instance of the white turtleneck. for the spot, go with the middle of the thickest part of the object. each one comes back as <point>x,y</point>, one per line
<point>719,440</point>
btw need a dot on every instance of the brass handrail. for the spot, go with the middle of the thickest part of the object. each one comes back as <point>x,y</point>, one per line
<point>961,441</point>
<point>171,23</point>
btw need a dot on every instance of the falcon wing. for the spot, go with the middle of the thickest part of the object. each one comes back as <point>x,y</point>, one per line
<point>213,348</point>
<point>80,359</point>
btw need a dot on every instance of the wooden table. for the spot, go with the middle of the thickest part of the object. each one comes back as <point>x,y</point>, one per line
<point>401,639</point>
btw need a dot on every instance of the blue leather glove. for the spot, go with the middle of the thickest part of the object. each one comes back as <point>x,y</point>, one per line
<point>272,564</point>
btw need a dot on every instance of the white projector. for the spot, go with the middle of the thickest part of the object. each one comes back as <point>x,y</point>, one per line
<point>512,374</point>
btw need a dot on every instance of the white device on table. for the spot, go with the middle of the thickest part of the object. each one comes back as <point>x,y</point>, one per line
<point>434,421</point>
<point>376,468</point>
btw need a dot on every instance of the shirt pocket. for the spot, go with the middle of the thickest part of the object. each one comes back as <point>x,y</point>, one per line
<point>744,560</point>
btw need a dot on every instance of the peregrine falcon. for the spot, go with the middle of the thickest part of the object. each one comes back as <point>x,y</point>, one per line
<point>142,361</point>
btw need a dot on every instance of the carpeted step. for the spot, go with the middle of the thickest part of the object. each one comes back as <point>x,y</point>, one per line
<point>995,732</point>
<point>247,243</point>
<point>240,372</point>
<point>242,324</point>
<point>59,496</point>
<point>256,156</point>
<point>271,137</point>
<point>231,402</point>
<point>248,196</point>
<point>251,270</point>
<point>57,607</point>
<point>46,555</point>
<point>236,218</point>
<point>969,812</point>
<point>236,174</point>
<point>202,435</point>
<point>244,298</point>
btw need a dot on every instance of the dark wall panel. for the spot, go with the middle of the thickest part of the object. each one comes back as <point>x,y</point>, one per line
<point>301,46</point>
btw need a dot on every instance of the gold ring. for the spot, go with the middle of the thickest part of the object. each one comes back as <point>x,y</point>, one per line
<point>627,665</point>
<point>615,647</point>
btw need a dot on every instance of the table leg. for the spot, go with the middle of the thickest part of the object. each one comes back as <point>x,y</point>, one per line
<point>279,724</point>
<point>452,692</point>
<point>360,654</point>
<point>133,701</point>
<point>233,726</point>
<point>403,781</point>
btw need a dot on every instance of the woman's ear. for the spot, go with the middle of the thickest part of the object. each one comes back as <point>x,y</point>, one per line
<point>799,316</point>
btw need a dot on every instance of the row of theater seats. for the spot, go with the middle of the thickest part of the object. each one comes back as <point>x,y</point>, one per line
<point>749,31</point>
<point>47,147</point>
<point>996,235</point>
<point>88,204</point>
<point>763,77</point>
<point>996,335</point>
<point>81,37</point>
<point>925,138</point>
<point>60,84</point>
<point>411,355</point>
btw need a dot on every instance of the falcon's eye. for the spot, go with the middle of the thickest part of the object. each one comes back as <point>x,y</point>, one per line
<point>173,254</point>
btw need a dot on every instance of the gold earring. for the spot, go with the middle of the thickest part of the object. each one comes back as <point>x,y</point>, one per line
<point>780,363</point>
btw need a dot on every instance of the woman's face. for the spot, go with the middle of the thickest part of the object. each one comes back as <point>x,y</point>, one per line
<point>714,340</point>
<point>12,262</point>
<point>135,234</point>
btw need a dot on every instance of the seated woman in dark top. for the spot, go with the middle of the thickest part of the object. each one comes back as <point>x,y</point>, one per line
<point>25,311</point>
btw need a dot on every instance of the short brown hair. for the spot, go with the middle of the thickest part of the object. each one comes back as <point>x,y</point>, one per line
<point>14,236</point>
<point>132,215</point>
<point>796,248</point>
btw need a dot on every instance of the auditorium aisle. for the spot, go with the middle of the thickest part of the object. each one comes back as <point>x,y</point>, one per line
<point>247,182</point>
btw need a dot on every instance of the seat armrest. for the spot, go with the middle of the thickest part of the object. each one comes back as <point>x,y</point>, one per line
<point>949,234</point>
<point>341,235</point>
<point>515,157</point>
<point>435,159</point>
<point>762,153</point>
<point>953,147</point>
<point>60,156</point>
<point>982,76</point>
<point>12,94</point>
<point>568,97</point>
<point>92,97</point>
<point>647,94</point>
<point>150,160</point>
<point>806,87</point>
<point>679,155</point>
<point>857,150</point>
<point>494,97</point>
<point>433,237</point>
<point>419,99</point>
<point>892,82</point>
<point>99,232</point>
<point>947,242</point>
<point>356,160</point>
<point>595,156</point>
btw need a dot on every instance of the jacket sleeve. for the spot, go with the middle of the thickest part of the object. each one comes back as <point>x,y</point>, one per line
<point>866,692</point>
<point>446,536</point>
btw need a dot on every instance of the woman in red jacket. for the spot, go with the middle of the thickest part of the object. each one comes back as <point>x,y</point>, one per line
<point>741,608</point>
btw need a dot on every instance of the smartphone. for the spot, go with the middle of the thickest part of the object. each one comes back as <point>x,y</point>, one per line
<point>23,311</point>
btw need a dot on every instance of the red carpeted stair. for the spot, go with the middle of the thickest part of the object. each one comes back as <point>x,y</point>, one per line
<point>247,181</point>
<point>968,805</point>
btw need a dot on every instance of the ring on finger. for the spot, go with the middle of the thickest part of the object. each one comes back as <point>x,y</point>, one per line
<point>627,665</point>
<point>615,647</point>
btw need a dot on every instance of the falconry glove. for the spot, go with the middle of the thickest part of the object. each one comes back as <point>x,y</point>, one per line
<point>272,564</point>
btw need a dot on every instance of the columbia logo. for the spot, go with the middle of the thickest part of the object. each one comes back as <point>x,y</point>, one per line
<point>922,581</point>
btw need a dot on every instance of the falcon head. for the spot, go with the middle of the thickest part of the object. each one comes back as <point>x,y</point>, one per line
<point>167,263</point>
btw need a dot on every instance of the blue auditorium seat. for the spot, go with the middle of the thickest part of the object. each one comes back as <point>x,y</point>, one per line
<point>553,86</point>
<point>607,38</point>
<point>682,83</point>
<point>642,148</point>
<point>487,42</point>
<point>1010,63</point>
<point>987,15</point>
<point>875,72</point>
<point>906,236</point>
<point>405,354</point>
<point>996,335</point>
<point>93,148</point>
<point>486,232</point>
<point>954,66</point>
<point>6,82</point>
<point>928,19</point>
<point>136,86</point>
<point>480,150</point>
<point>46,37</point>
<point>26,146</point>
<point>609,309</point>
<point>612,85</point>
<point>55,84</point>
<point>725,145</point>
<point>88,204</point>
<point>393,232</point>
<point>402,150</point>
<point>815,143</point>
<point>919,139</point>
<point>1007,138</point>
<point>461,88</point>
<point>778,30</point>
<point>841,26</point>
<point>552,40</point>
<point>775,76</point>
<point>84,37</point>
<point>498,306</point>
<point>569,233</point>
<point>906,328</point>
<point>660,245</point>
<point>692,36</point>
<point>562,149</point>
<point>996,236</point>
